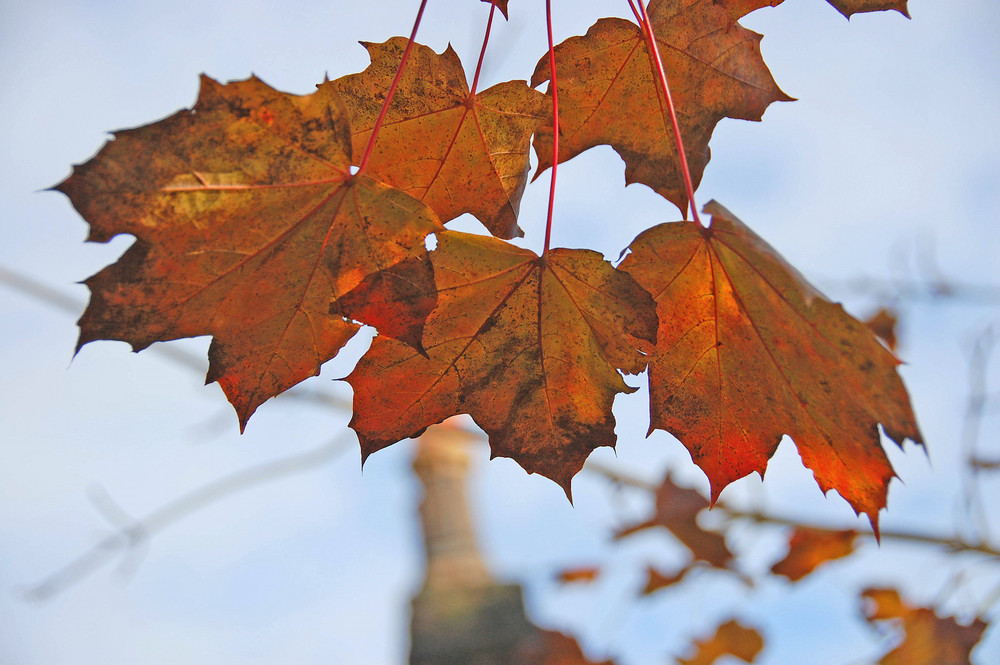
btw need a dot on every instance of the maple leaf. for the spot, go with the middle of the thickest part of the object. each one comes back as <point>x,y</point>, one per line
<point>850,7</point>
<point>553,648</point>
<point>883,323</point>
<point>731,639</point>
<point>748,351</point>
<point>655,580</point>
<point>810,548</point>
<point>929,639</point>
<point>578,575</point>
<point>454,151</point>
<point>530,346</point>
<point>609,91</point>
<point>677,509</point>
<point>501,5</point>
<point>248,225</point>
<point>740,8</point>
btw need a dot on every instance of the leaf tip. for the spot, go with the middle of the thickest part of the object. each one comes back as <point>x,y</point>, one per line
<point>568,489</point>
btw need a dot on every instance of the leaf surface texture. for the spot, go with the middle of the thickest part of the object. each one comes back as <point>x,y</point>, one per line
<point>529,346</point>
<point>248,227</point>
<point>748,351</point>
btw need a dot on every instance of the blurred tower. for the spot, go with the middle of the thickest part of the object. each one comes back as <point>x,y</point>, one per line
<point>461,616</point>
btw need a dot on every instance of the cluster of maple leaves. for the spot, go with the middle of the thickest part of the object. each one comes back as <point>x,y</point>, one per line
<point>254,223</point>
<point>927,638</point>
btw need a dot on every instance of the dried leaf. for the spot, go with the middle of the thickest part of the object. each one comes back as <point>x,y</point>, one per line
<point>730,639</point>
<point>740,8</point>
<point>609,91</point>
<point>850,7</point>
<point>928,639</point>
<point>677,509</point>
<point>554,648</point>
<point>582,574</point>
<point>530,346</point>
<point>748,351</point>
<point>248,226</point>
<point>655,580</point>
<point>501,5</point>
<point>809,548</point>
<point>883,323</point>
<point>455,152</point>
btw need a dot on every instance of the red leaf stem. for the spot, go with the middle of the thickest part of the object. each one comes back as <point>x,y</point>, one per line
<point>482,53</point>
<point>392,90</point>
<point>647,31</point>
<point>555,125</point>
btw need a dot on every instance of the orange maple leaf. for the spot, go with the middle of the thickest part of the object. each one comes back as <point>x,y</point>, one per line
<point>530,346</point>
<point>454,151</point>
<point>810,548</point>
<point>928,639</point>
<point>849,7</point>
<point>501,5</point>
<point>609,91</point>
<point>656,580</point>
<point>747,351</point>
<point>248,226</point>
<point>549,647</point>
<point>731,639</point>
<point>740,8</point>
<point>883,323</point>
<point>677,509</point>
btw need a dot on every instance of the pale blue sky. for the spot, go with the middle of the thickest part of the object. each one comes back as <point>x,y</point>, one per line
<point>891,151</point>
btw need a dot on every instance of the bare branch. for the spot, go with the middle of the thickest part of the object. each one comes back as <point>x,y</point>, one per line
<point>132,534</point>
<point>951,543</point>
<point>44,293</point>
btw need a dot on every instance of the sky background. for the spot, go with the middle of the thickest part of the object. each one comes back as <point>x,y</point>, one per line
<point>887,168</point>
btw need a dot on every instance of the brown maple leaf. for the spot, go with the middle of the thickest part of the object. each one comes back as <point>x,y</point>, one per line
<point>737,9</point>
<point>747,351</point>
<point>731,639</point>
<point>810,548</point>
<point>849,7</point>
<point>740,8</point>
<point>454,151</point>
<point>928,639</point>
<point>656,580</point>
<point>248,225</point>
<point>581,574</point>
<point>609,91</point>
<point>501,5</point>
<point>549,647</point>
<point>530,346</point>
<point>677,509</point>
<point>883,323</point>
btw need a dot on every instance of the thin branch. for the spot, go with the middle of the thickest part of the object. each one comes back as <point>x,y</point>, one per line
<point>137,533</point>
<point>975,407</point>
<point>41,292</point>
<point>952,543</point>
<point>987,295</point>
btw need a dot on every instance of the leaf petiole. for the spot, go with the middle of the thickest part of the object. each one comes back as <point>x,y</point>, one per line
<point>482,52</point>
<point>392,91</point>
<point>639,11</point>
<point>555,125</point>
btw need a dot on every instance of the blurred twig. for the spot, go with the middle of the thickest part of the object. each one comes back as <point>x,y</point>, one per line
<point>41,292</point>
<point>951,543</point>
<point>131,535</point>
<point>972,499</point>
<point>918,290</point>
